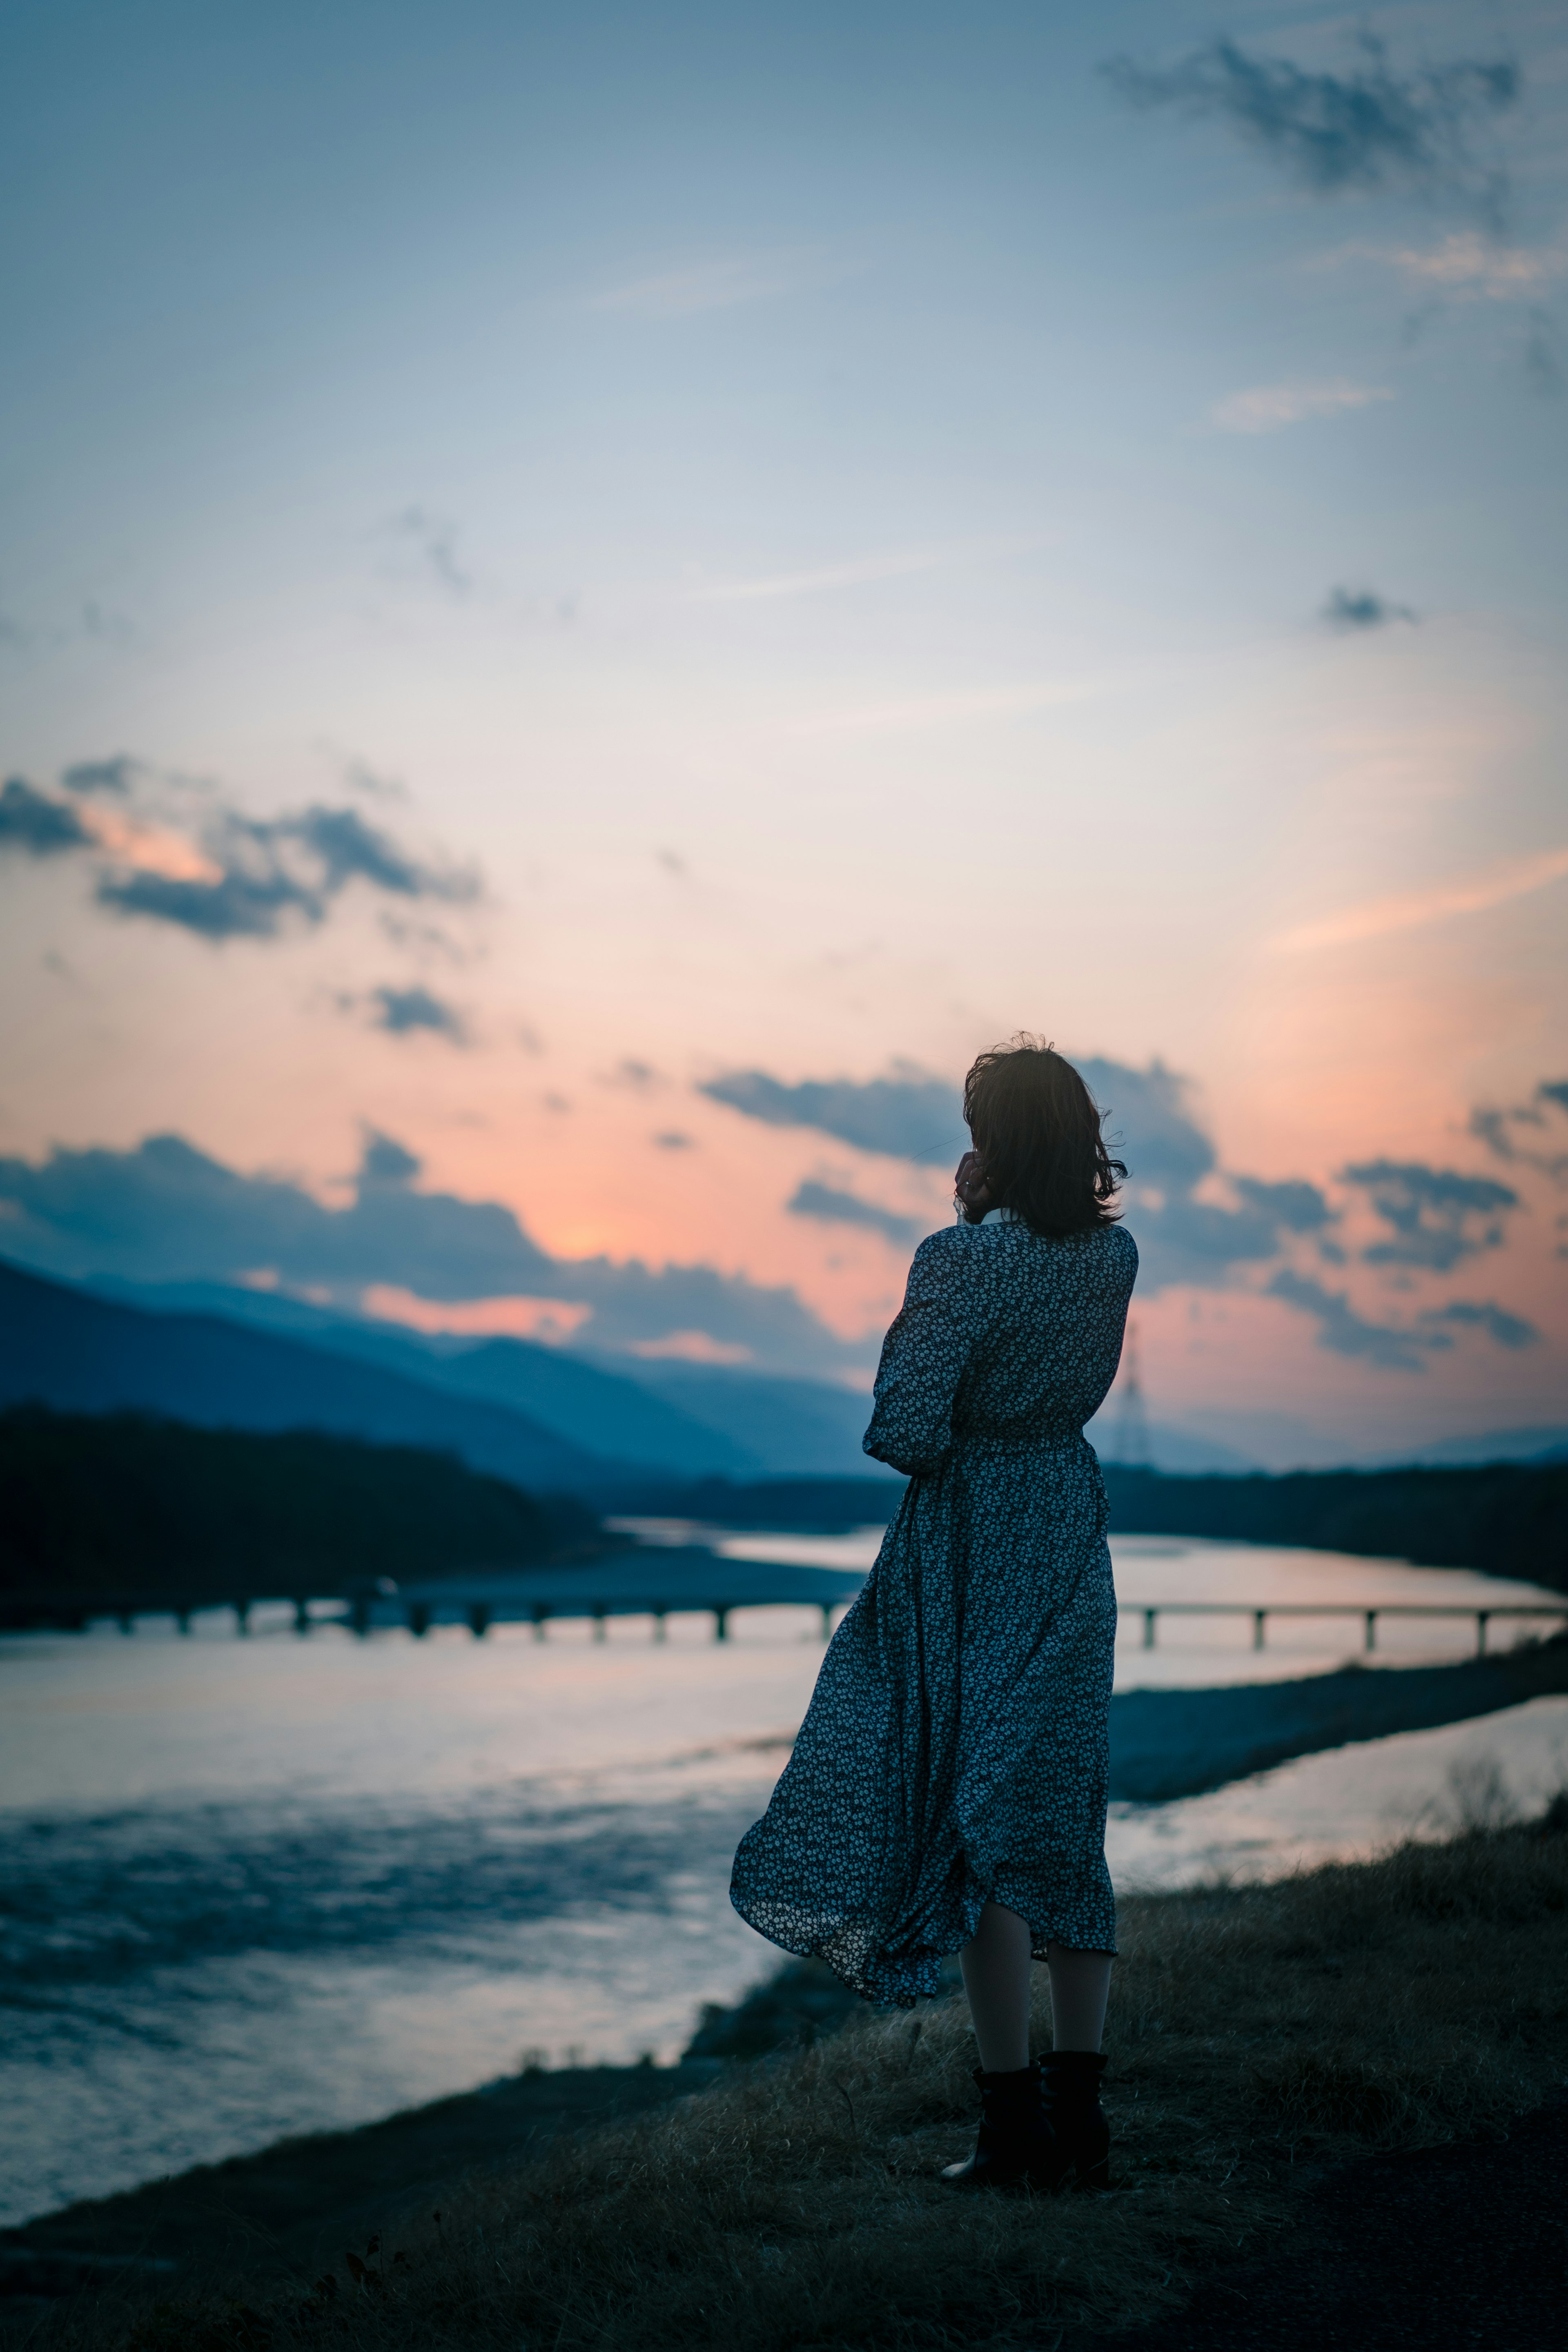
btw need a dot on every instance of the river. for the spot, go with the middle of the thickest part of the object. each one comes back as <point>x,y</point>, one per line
<point>267,1886</point>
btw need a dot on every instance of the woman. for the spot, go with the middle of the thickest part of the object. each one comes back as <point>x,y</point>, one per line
<point>947,1791</point>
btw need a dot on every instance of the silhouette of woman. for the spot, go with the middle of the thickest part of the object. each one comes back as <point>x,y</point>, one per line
<point>947,1791</point>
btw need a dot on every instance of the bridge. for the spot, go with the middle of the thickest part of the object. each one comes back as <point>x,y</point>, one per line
<point>659,1580</point>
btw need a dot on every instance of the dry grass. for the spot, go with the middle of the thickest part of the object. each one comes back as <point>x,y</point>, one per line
<point>1257,2032</point>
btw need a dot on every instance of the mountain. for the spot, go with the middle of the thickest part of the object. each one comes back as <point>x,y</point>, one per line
<point>583,1402</point>
<point>1541,1444</point>
<point>80,1353</point>
<point>799,1428</point>
<point>1182,1453</point>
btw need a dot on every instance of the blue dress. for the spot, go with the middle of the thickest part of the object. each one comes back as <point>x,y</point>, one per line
<point>955,1748</point>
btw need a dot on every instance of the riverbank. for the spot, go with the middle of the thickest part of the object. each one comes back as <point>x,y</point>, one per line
<point>1262,2037</point>
<point>1167,1744</point>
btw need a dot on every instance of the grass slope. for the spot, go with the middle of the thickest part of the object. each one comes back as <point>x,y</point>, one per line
<point>1258,2035</point>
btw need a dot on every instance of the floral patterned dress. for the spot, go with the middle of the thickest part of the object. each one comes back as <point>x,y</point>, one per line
<point>955,1749</point>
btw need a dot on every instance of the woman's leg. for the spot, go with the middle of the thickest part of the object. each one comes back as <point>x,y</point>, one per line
<point>1080,1987</point>
<point>996,1978</point>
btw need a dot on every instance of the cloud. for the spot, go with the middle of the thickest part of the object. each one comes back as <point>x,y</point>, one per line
<point>832,1207</point>
<point>1437,1215</point>
<point>32,823</point>
<point>400,1009</point>
<point>1542,358</point>
<point>1297,1206</point>
<point>267,869</point>
<point>180,854</point>
<point>913,1115</point>
<point>1392,1348</point>
<point>1266,407</point>
<point>907,1115</point>
<point>1465,267</point>
<point>1485,1315</point>
<point>717,284</point>
<point>425,545</point>
<point>115,775</point>
<point>1368,128</point>
<point>671,1139</point>
<point>1350,609</point>
<point>1407,909</point>
<point>1498,1129</point>
<point>168,1212</point>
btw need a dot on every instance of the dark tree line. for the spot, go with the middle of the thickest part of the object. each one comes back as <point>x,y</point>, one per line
<point>1508,1518</point>
<point>124,1504</point>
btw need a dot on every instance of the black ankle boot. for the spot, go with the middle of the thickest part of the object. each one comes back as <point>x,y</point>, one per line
<point>1071,2087</point>
<point>1015,2143</point>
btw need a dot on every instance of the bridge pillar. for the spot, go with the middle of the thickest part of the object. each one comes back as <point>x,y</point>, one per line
<point>1371,1630</point>
<point>1481,1616</point>
<point>419,1619</point>
<point>479,1619</point>
<point>1149,1617</point>
<point>721,1624</point>
<point>660,1631</point>
<point>127,1621</point>
<point>1258,1617</point>
<point>827,1620</point>
<point>541,1618</point>
<point>358,1613</point>
<point>301,1616</point>
<point>597,1613</point>
<point>182,1620</point>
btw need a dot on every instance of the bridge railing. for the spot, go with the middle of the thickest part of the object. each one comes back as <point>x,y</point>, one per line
<point>1481,1611</point>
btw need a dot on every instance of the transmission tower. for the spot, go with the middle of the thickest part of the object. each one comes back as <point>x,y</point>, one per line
<point>1133,1451</point>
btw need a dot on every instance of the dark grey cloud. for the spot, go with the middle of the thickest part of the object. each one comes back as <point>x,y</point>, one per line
<point>1367,129</point>
<point>1392,1346</point>
<point>168,1212</point>
<point>833,1207</point>
<point>1486,1315</point>
<point>1352,609</point>
<point>1530,1133</point>
<point>1436,1216</point>
<point>913,1115</point>
<point>41,828</point>
<point>1297,1206</point>
<point>399,1011</point>
<point>263,872</point>
<point>907,1115</point>
<point>116,775</point>
<point>671,1139</point>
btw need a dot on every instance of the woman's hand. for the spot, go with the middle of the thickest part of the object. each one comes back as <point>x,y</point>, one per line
<point>970,1185</point>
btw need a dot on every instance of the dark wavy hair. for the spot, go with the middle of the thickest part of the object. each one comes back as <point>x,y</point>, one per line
<point>1037,1128</point>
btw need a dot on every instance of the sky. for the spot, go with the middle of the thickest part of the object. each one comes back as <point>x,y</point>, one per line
<point>595,601</point>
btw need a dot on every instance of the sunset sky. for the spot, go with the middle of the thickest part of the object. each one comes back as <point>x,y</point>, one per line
<point>594,600</point>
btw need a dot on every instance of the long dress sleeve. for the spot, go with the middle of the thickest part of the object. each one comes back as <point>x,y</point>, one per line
<point>924,1357</point>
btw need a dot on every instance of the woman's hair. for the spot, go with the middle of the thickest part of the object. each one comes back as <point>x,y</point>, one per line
<point>1037,1128</point>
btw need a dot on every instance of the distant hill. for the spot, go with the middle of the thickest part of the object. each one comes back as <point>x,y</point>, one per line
<point>96,1507</point>
<point>1545,1443</point>
<point>790,1427</point>
<point>1178,1452</point>
<point>63,1347</point>
<point>604,1412</point>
